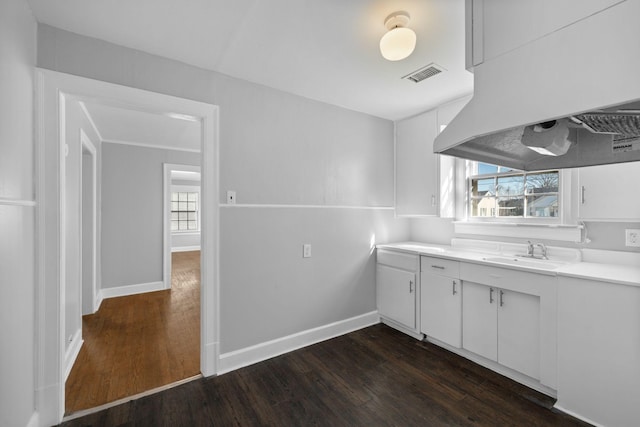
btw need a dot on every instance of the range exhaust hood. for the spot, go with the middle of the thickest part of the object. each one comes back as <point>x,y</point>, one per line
<point>568,99</point>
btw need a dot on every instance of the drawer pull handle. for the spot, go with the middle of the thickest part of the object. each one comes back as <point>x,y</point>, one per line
<point>501,298</point>
<point>454,288</point>
<point>437,266</point>
<point>490,295</point>
<point>410,286</point>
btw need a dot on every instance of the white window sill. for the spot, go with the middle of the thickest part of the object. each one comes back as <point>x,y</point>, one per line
<point>559,232</point>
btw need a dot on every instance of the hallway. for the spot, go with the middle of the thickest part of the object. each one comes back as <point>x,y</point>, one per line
<point>139,342</point>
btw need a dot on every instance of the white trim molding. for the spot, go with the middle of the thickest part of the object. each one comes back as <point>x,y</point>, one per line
<point>72,352</point>
<point>145,145</point>
<point>185,249</point>
<point>123,291</point>
<point>17,202</point>
<point>271,206</point>
<point>564,233</point>
<point>263,351</point>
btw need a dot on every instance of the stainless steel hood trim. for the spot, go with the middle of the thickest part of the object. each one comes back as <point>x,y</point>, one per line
<point>553,77</point>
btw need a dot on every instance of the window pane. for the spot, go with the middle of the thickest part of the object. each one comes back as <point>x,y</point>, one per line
<point>191,206</point>
<point>542,206</point>
<point>486,168</point>
<point>174,206</point>
<point>174,197</point>
<point>182,197</point>
<point>511,206</point>
<point>182,216</point>
<point>193,225</point>
<point>182,206</point>
<point>484,207</point>
<point>510,185</point>
<point>182,225</point>
<point>546,182</point>
<point>174,225</point>
<point>192,216</point>
<point>174,215</point>
<point>481,187</point>
<point>191,197</point>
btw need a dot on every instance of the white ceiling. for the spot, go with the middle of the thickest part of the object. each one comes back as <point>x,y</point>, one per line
<point>320,49</point>
<point>120,125</point>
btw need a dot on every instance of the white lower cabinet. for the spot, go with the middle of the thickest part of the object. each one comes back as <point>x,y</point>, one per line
<point>441,300</point>
<point>503,326</point>
<point>599,351</point>
<point>396,295</point>
<point>397,288</point>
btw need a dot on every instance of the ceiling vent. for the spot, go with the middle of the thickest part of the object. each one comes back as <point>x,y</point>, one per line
<point>424,73</point>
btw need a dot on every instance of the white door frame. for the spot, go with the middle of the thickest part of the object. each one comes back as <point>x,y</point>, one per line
<point>166,220</point>
<point>51,88</point>
<point>86,144</point>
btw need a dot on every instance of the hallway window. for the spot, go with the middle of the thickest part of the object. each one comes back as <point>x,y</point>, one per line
<point>184,211</point>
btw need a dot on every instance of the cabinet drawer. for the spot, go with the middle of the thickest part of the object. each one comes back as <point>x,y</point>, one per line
<point>505,278</point>
<point>442,267</point>
<point>398,260</point>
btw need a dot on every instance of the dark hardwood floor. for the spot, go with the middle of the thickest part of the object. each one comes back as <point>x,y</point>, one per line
<point>139,342</point>
<point>372,377</point>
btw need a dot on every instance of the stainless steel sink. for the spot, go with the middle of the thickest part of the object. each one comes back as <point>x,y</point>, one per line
<point>543,264</point>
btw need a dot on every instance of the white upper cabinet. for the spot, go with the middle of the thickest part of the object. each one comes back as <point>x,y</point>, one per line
<point>497,27</point>
<point>416,165</point>
<point>608,192</point>
<point>425,180</point>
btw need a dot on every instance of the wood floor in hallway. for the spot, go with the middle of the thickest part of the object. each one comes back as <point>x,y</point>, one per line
<point>372,377</point>
<point>139,342</point>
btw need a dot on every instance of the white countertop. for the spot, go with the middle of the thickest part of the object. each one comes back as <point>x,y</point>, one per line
<point>591,269</point>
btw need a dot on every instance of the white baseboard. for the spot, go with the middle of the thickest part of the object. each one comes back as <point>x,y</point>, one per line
<point>72,352</point>
<point>122,291</point>
<point>185,248</point>
<point>34,421</point>
<point>257,353</point>
<point>578,416</point>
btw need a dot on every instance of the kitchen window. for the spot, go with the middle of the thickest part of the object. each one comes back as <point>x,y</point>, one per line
<point>184,211</point>
<point>499,192</point>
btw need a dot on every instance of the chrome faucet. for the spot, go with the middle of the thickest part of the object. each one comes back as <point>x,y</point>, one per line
<point>529,248</point>
<point>543,248</point>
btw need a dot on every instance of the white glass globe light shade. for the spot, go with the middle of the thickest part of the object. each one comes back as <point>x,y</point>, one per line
<point>398,43</point>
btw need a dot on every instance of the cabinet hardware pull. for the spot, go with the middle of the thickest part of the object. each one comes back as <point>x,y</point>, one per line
<point>454,288</point>
<point>433,200</point>
<point>410,286</point>
<point>582,190</point>
<point>437,266</point>
<point>501,299</point>
<point>490,295</point>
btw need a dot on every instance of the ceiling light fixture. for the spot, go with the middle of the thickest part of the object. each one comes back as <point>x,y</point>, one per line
<point>400,41</point>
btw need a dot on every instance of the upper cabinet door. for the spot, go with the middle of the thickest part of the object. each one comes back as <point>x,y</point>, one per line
<point>608,192</point>
<point>417,186</point>
<point>497,27</point>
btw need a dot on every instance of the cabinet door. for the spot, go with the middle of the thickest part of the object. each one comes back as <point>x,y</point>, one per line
<point>417,166</point>
<point>479,320</point>
<point>605,194</point>
<point>519,332</point>
<point>441,308</point>
<point>396,295</point>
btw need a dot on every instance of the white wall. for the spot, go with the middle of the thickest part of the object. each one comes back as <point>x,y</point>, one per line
<point>132,204</point>
<point>275,149</point>
<point>17,213</point>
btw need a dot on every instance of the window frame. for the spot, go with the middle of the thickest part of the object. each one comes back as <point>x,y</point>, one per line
<point>472,166</point>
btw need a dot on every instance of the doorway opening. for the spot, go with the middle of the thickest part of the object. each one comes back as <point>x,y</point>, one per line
<point>52,91</point>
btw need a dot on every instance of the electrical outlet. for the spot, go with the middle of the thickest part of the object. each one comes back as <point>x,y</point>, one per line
<point>632,237</point>
<point>231,197</point>
<point>306,250</point>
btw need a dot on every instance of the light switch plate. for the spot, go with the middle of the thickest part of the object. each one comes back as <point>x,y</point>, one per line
<point>632,237</point>
<point>306,250</point>
<point>231,197</point>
